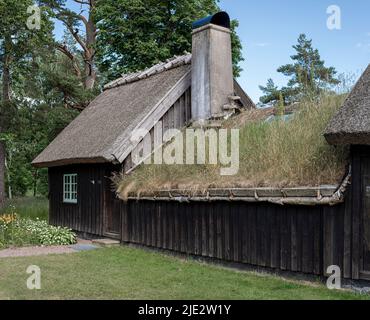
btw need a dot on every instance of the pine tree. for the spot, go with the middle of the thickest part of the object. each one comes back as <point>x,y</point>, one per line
<point>81,25</point>
<point>271,92</point>
<point>308,73</point>
<point>308,76</point>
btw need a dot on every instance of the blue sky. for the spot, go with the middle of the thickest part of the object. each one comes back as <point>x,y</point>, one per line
<point>269,28</point>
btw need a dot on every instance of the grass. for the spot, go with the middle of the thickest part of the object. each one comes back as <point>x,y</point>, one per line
<point>127,273</point>
<point>277,154</point>
<point>28,207</point>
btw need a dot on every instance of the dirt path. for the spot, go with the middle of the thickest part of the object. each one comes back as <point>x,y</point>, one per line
<point>82,245</point>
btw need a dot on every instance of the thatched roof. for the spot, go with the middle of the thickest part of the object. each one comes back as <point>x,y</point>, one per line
<point>351,125</point>
<point>101,132</point>
<point>91,137</point>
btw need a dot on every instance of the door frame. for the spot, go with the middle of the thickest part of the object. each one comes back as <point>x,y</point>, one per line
<point>108,201</point>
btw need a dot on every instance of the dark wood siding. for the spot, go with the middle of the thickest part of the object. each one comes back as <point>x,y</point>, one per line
<point>360,222</point>
<point>294,238</point>
<point>87,215</point>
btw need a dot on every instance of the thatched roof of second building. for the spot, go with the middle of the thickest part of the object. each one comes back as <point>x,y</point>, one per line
<point>351,125</point>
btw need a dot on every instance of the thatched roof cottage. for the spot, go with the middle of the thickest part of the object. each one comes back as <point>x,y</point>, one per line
<point>300,229</point>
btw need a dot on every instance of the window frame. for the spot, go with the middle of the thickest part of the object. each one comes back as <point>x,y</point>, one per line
<point>70,190</point>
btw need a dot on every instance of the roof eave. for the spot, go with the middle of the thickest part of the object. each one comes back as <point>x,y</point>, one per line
<point>65,162</point>
<point>345,139</point>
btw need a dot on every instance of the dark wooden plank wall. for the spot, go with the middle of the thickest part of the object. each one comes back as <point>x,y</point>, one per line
<point>87,215</point>
<point>360,174</point>
<point>293,238</point>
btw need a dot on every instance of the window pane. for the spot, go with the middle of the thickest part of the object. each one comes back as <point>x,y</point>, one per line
<point>70,188</point>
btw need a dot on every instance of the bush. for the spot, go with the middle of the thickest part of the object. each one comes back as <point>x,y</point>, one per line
<point>23,232</point>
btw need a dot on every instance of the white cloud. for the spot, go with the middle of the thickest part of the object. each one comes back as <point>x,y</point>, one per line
<point>363,46</point>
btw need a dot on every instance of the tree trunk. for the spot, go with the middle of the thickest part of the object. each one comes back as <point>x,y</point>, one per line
<point>2,174</point>
<point>36,175</point>
<point>7,170</point>
<point>89,52</point>
<point>5,101</point>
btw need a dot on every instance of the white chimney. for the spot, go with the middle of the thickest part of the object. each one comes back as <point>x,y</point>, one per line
<point>212,69</point>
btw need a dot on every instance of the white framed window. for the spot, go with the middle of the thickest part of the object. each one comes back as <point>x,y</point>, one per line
<point>70,188</point>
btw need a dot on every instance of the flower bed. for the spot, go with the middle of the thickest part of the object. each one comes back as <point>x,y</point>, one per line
<point>16,232</point>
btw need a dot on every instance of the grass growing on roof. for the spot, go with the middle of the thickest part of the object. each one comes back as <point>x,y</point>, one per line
<point>277,154</point>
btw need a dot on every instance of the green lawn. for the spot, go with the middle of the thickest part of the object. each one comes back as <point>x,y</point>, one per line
<point>126,273</point>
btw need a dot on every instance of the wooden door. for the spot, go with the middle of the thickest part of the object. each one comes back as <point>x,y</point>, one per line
<point>112,212</point>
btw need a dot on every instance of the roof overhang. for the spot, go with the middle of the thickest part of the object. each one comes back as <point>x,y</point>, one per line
<point>65,162</point>
<point>345,138</point>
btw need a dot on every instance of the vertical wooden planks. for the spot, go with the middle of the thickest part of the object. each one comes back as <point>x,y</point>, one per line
<point>219,231</point>
<point>125,233</point>
<point>294,242</point>
<point>226,232</point>
<point>211,237</point>
<point>275,239</point>
<point>356,212</point>
<point>253,230</point>
<point>205,230</point>
<point>237,233</point>
<point>347,254</point>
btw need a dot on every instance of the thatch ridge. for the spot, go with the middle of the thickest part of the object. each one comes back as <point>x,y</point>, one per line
<point>169,64</point>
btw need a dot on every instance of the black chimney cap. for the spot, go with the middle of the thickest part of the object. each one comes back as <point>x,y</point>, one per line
<point>220,19</point>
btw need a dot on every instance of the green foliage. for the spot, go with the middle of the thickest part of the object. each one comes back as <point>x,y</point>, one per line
<point>35,126</point>
<point>309,77</point>
<point>271,92</point>
<point>60,84</point>
<point>19,232</point>
<point>28,207</point>
<point>134,35</point>
<point>41,233</point>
